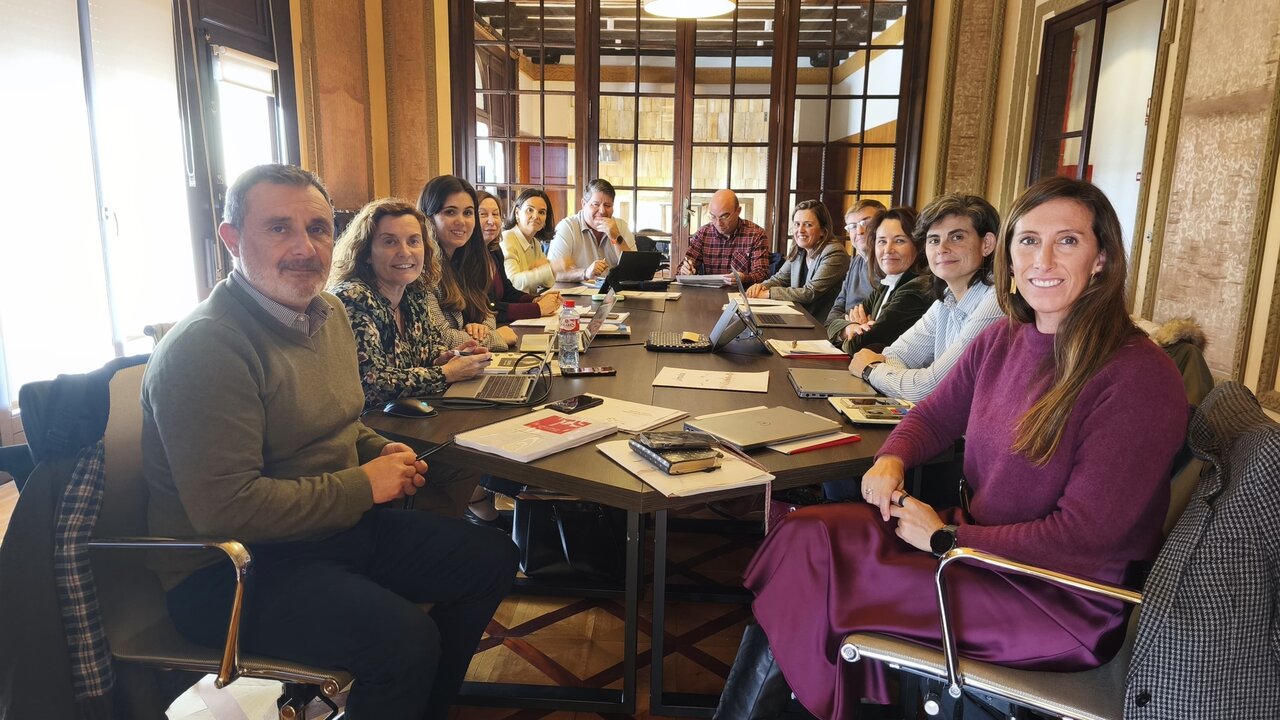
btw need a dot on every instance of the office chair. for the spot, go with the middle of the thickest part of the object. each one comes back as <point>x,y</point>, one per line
<point>134,614</point>
<point>1101,693</point>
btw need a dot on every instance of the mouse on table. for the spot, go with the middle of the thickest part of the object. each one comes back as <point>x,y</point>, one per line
<point>409,407</point>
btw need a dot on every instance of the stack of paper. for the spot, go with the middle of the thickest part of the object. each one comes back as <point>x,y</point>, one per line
<point>705,280</point>
<point>538,434</point>
<point>811,349</point>
<point>649,294</point>
<point>580,290</point>
<point>549,324</point>
<point>712,380</point>
<point>760,302</point>
<point>629,417</point>
<point>732,473</point>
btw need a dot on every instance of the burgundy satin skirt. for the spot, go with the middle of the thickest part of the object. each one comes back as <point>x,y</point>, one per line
<point>830,570</point>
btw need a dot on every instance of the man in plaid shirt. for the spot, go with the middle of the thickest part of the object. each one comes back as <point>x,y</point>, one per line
<point>729,242</point>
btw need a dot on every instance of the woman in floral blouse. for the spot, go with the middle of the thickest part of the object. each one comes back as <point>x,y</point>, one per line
<point>383,272</point>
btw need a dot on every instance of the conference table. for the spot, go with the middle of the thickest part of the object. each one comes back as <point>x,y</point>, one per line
<point>587,473</point>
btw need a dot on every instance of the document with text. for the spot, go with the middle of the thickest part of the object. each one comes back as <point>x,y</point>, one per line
<point>712,380</point>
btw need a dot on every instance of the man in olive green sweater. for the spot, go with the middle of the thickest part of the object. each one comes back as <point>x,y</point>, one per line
<point>251,431</point>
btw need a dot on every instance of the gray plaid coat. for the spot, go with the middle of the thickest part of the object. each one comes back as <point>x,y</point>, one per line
<point>1208,642</point>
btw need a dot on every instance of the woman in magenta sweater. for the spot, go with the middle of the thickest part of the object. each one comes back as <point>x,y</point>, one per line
<point>1072,418</point>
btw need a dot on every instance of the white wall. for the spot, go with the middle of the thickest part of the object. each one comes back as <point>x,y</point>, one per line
<point>1129,46</point>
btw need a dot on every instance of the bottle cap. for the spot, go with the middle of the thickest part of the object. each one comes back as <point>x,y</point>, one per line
<point>568,303</point>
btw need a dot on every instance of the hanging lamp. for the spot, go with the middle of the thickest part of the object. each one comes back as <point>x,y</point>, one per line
<point>689,8</point>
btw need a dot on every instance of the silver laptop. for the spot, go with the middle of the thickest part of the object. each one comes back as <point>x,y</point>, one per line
<point>811,383</point>
<point>763,318</point>
<point>765,426</point>
<point>540,342</point>
<point>515,388</point>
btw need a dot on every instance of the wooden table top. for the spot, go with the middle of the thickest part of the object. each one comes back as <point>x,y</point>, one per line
<point>586,472</point>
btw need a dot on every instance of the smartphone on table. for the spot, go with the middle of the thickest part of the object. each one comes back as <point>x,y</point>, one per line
<point>577,403</point>
<point>587,371</point>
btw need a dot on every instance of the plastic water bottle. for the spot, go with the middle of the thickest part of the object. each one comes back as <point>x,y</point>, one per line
<point>568,336</point>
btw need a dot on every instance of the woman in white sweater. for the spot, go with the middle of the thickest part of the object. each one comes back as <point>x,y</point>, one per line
<point>530,225</point>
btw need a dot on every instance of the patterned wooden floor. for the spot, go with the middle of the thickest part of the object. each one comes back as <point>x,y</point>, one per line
<point>570,642</point>
<point>574,642</point>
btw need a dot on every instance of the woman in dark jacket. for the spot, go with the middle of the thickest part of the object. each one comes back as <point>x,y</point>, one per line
<point>508,302</point>
<point>903,287</point>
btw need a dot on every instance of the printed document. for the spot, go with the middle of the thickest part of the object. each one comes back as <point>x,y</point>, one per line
<point>712,380</point>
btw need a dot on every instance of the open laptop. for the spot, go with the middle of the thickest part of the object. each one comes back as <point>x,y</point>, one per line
<point>764,318</point>
<point>634,271</point>
<point>814,383</point>
<point>538,342</point>
<point>516,388</point>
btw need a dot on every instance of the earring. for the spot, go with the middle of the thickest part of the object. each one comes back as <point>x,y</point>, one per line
<point>1013,286</point>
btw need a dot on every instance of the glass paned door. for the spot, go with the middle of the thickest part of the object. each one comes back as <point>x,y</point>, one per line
<point>733,67</point>
<point>848,97</point>
<point>637,116</point>
<point>525,57</point>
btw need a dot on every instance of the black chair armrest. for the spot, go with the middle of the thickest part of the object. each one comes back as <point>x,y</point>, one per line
<point>955,683</point>
<point>240,557</point>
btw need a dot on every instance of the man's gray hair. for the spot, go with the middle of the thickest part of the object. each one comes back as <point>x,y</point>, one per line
<point>234,209</point>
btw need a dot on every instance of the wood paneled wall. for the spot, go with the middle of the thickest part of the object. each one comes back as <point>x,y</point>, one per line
<point>368,95</point>
<point>973,40</point>
<point>1215,195</point>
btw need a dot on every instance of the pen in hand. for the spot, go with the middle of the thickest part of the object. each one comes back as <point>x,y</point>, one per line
<point>433,450</point>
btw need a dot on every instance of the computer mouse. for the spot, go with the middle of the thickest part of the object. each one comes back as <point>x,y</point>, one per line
<point>409,407</point>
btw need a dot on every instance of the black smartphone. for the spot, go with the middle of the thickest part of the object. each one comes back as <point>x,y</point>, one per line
<point>571,405</point>
<point>586,371</point>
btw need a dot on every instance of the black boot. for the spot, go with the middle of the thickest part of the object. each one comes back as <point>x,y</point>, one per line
<point>755,689</point>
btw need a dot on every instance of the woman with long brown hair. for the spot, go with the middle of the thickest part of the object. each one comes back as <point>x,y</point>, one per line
<point>461,307</point>
<point>1072,418</point>
<point>816,265</point>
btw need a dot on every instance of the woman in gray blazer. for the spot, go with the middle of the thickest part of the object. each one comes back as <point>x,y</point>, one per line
<point>815,266</point>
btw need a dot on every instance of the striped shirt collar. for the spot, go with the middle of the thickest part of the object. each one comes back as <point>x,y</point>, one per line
<point>308,323</point>
<point>973,297</point>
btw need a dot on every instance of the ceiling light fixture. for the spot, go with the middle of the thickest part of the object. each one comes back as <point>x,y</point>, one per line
<point>689,8</point>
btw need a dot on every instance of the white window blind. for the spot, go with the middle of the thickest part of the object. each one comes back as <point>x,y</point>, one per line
<point>85,262</point>
<point>53,296</point>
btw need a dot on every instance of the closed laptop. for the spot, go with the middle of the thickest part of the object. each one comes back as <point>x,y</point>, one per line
<point>763,426</point>
<point>813,383</point>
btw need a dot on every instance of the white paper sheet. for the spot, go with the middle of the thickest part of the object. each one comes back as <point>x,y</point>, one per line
<point>737,297</point>
<point>705,280</point>
<point>801,348</point>
<point>712,380</point>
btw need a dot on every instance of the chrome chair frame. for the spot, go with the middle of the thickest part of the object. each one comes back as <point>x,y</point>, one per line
<point>946,665</point>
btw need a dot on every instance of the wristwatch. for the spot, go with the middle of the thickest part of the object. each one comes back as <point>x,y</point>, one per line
<point>866,371</point>
<point>943,540</point>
